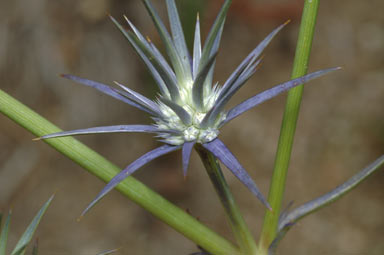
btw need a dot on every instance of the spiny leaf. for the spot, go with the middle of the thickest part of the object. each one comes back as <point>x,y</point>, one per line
<point>104,89</point>
<point>272,92</point>
<point>155,74</point>
<point>166,38</point>
<point>27,236</point>
<point>130,169</point>
<point>198,84</point>
<point>218,148</point>
<point>178,37</point>
<point>186,151</point>
<point>103,130</point>
<point>289,219</point>
<point>140,99</point>
<point>4,234</point>
<point>214,35</point>
<point>196,48</point>
<point>146,51</point>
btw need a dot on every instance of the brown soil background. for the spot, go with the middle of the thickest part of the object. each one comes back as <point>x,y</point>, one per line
<point>340,129</point>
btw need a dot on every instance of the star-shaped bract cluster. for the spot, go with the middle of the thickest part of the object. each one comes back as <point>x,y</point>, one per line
<point>189,108</point>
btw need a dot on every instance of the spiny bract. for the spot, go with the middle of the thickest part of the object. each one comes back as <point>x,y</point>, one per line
<point>189,109</point>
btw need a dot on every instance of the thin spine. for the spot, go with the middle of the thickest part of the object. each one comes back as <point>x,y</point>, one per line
<point>149,55</point>
<point>239,227</point>
<point>4,234</point>
<point>196,49</point>
<point>289,219</point>
<point>104,130</point>
<point>178,38</point>
<point>155,74</point>
<point>174,56</point>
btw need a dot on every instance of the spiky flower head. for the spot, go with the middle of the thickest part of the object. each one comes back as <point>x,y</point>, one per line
<point>189,108</point>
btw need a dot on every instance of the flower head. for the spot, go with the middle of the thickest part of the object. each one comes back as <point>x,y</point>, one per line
<point>189,108</point>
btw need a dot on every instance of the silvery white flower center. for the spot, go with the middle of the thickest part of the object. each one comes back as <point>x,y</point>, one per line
<point>192,132</point>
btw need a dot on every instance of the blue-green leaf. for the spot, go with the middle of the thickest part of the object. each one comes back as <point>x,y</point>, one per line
<point>4,234</point>
<point>288,219</point>
<point>155,62</point>
<point>166,38</point>
<point>178,37</point>
<point>27,236</point>
<point>214,35</point>
<point>196,48</point>
<point>198,84</point>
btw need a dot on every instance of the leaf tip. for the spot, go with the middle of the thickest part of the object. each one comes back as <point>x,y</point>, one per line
<point>287,22</point>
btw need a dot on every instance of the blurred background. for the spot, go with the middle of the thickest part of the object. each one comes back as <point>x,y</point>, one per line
<point>340,129</point>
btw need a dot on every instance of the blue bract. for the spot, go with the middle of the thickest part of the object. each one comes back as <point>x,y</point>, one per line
<point>189,108</point>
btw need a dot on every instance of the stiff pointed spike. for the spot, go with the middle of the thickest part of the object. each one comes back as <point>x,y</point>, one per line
<point>140,99</point>
<point>28,234</point>
<point>105,89</point>
<point>178,37</point>
<point>130,169</point>
<point>167,40</point>
<point>198,84</point>
<point>215,33</point>
<point>186,151</point>
<point>289,219</point>
<point>156,64</point>
<point>103,130</point>
<point>272,92</point>
<point>196,49</point>
<point>4,233</point>
<point>218,148</point>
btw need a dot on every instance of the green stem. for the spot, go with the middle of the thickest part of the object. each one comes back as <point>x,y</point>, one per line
<point>288,126</point>
<point>105,170</point>
<point>242,234</point>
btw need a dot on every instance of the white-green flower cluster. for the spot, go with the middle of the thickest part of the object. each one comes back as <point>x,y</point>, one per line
<point>192,131</point>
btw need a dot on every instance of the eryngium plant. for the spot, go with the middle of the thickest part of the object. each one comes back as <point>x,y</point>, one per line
<point>189,108</point>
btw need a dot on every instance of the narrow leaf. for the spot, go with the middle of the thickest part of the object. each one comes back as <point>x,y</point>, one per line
<point>198,84</point>
<point>140,99</point>
<point>166,38</point>
<point>196,48</point>
<point>130,169</point>
<point>180,112</point>
<point>146,41</point>
<point>104,130</point>
<point>272,92</point>
<point>27,236</point>
<point>4,234</point>
<point>214,34</point>
<point>186,151</point>
<point>250,59</point>
<point>148,54</point>
<point>168,77</point>
<point>155,74</point>
<point>215,48</point>
<point>218,148</point>
<point>290,218</point>
<point>105,89</point>
<point>178,37</point>
<point>212,115</point>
